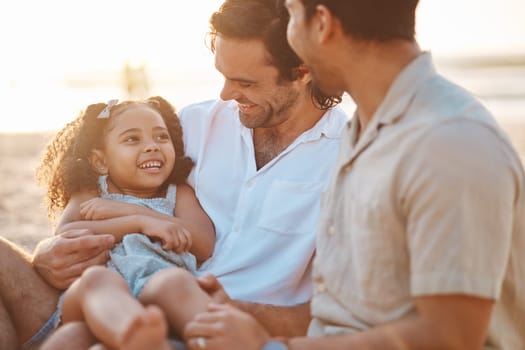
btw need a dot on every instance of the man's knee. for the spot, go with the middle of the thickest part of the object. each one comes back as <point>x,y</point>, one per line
<point>8,334</point>
<point>17,276</point>
<point>177,281</point>
<point>28,299</point>
<point>10,251</point>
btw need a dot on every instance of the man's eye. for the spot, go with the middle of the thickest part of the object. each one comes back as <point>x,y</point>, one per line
<point>245,85</point>
<point>131,139</point>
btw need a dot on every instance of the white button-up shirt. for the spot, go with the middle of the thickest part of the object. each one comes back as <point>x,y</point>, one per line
<point>265,219</point>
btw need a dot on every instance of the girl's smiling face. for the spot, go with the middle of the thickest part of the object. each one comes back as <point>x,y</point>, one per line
<point>138,155</point>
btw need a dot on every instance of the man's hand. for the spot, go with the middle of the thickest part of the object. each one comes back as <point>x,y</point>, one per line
<point>211,285</point>
<point>225,327</point>
<point>62,259</point>
<point>277,320</point>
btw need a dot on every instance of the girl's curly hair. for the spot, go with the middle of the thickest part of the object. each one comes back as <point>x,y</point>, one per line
<point>65,168</point>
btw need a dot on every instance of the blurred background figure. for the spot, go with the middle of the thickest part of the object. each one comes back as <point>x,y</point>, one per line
<point>135,81</point>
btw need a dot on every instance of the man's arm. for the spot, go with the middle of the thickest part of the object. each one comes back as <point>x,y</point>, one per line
<point>287,321</point>
<point>279,321</point>
<point>443,322</point>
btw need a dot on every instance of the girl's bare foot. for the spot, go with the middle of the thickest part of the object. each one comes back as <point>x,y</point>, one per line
<point>148,331</point>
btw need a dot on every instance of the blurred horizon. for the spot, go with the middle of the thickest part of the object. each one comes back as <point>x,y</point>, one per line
<point>59,56</point>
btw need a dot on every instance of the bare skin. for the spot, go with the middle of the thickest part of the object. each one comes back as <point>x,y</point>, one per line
<point>61,259</point>
<point>76,333</point>
<point>206,290</point>
<point>79,334</point>
<point>26,300</point>
<point>278,112</point>
<point>102,299</point>
<point>293,322</point>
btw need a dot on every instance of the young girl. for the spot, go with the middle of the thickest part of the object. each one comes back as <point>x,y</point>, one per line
<point>120,169</point>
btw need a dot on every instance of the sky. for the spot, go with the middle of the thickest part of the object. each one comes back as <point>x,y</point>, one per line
<point>53,35</point>
<point>85,35</point>
<point>472,27</point>
<point>45,42</point>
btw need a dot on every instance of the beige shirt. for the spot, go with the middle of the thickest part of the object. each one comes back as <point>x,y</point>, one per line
<point>430,200</point>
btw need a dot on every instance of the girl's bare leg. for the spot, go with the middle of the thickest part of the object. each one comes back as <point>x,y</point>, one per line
<point>71,335</point>
<point>102,299</point>
<point>178,294</point>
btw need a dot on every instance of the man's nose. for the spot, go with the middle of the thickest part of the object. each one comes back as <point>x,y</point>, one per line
<point>229,91</point>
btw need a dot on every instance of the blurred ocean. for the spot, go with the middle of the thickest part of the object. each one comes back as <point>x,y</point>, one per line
<point>46,103</point>
<point>499,83</point>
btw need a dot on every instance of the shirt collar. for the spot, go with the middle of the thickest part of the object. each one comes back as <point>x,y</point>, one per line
<point>394,105</point>
<point>404,88</point>
<point>329,125</point>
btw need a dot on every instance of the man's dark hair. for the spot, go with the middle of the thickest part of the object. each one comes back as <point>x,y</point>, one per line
<point>264,20</point>
<point>375,20</point>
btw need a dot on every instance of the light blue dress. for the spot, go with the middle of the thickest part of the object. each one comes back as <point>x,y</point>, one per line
<point>137,258</point>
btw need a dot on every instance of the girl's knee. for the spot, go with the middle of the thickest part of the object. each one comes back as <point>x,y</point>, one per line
<point>175,282</point>
<point>99,275</point>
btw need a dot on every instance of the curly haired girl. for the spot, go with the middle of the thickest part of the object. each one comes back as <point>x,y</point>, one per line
<point>120,169</point>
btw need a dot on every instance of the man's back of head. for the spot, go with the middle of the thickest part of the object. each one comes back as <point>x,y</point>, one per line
<point>371,20</point>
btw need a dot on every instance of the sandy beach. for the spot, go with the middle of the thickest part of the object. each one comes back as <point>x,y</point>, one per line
<point>23,219</point>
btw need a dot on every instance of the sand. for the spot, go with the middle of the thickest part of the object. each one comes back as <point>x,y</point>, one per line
<point>23,219</point>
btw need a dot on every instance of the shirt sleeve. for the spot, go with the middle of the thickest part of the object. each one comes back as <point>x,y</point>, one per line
<point>458,193</point>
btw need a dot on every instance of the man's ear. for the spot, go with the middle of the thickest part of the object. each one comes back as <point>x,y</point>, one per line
<point>324,22</point>
<point>302,73</point>
<point>98,162</point>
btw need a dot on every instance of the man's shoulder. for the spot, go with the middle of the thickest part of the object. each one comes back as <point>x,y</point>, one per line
<point>334,121</point>
<point>204,109</point>
<point>197,118</point>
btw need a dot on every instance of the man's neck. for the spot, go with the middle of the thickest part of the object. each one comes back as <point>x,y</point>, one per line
<point>371,76</point>
<point>270,142</point>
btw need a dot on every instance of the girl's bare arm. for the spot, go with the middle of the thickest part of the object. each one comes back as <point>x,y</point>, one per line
<point>190,214</point>
<point>71,219</point>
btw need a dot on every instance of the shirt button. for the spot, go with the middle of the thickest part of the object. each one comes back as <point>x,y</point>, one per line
<point>320,287</point>
<point>331,230</point>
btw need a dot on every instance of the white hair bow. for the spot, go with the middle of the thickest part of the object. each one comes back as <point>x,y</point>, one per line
<point>106,111</point>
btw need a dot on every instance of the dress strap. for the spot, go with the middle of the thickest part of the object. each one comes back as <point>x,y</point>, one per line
<point>103,185</point>
<point>171,193</point>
